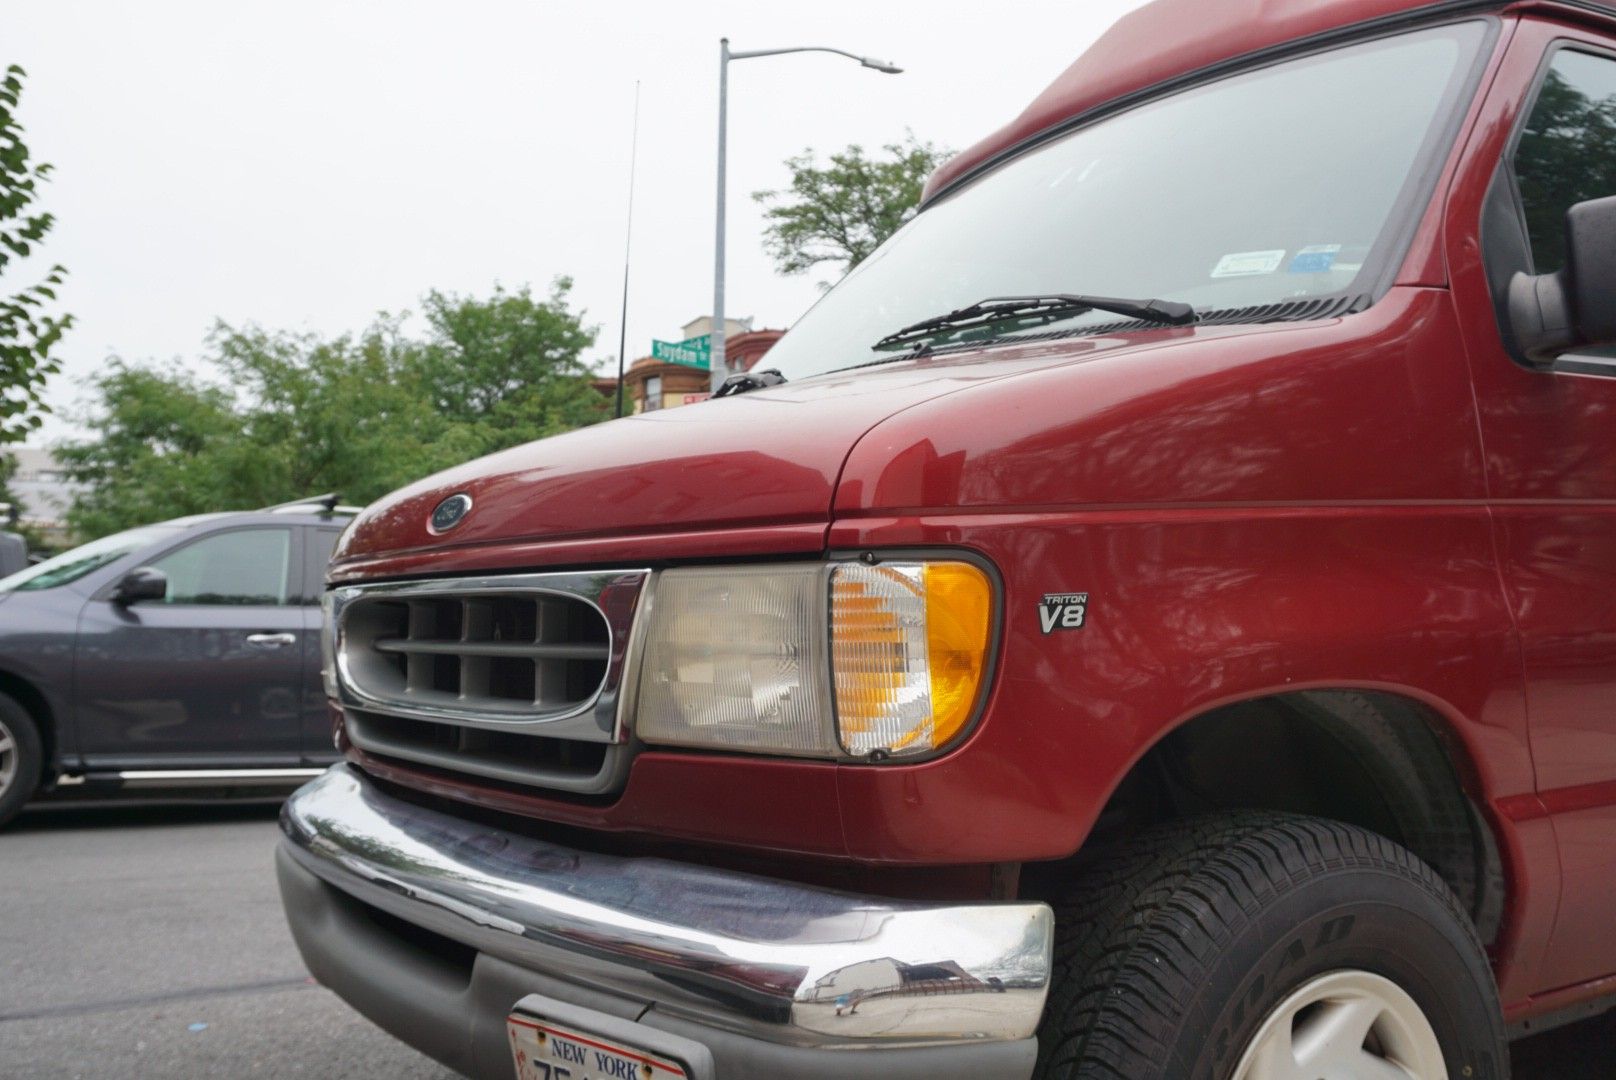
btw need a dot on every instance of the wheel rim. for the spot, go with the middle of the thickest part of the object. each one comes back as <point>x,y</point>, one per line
<point>1345,1024</point>
<point>8,757</point>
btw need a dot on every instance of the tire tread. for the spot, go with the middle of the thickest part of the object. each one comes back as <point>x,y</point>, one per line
<point>1153,912</point>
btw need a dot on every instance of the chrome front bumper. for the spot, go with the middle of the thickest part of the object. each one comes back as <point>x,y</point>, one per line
<point>761,958</point>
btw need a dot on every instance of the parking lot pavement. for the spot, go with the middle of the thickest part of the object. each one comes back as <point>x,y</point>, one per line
<point>149,942</point>
<point>1585,1051</point>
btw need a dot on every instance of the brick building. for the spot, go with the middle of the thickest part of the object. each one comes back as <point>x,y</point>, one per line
<point>649,383</point>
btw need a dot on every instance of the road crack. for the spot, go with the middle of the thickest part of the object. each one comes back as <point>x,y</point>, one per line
<point>120,1004</point>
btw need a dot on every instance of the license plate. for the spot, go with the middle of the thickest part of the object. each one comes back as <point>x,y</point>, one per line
<point>546,1051</point>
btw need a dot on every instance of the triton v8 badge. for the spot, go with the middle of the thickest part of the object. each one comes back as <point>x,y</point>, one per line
<point>1063,611</point>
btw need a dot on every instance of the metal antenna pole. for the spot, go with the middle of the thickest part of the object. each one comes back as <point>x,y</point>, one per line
<point>628,239</point>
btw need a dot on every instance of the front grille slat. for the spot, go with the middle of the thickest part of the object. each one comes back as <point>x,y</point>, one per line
<point>501,677</point>
<point>502,756</point>
<point>515,655</point>
<point>536,650</point>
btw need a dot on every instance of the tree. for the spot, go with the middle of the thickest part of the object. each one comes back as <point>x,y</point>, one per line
<point>284,415</point>
<point>28,332</point>
<point>510,368</point>
<point>348,414</point>
<point>159,455</point>
<point>840,212</point>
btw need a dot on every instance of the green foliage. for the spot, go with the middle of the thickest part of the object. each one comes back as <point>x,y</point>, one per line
<point>509,367</point>
<point>159,454</point>
<point>10,504</point>
<point>287,415</point>
<point>28,332</point>
<point>841,212</point>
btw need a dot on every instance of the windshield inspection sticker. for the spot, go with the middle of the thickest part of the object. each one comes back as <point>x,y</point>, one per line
<point>1314,259</point>
<point>1063,611</point>
<point>1248,263</point>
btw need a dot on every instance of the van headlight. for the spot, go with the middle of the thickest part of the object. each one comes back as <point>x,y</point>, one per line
<point>840,660</point>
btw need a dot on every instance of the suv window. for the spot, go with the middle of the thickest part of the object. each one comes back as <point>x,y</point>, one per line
<point>72,565</point>
<point>1567,151</point>
<point>247,566</point>
<point>325,543</point>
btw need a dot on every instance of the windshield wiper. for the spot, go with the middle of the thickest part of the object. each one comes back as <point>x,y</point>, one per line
<point>998,308</point>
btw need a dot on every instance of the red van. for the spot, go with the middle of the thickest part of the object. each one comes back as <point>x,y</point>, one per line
<point>1161,621</point>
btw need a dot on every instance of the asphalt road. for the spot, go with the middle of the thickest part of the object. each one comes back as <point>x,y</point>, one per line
<point>141,942</point>
<point>149,942</point>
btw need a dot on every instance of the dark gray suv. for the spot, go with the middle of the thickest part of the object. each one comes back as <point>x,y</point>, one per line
<point>184,655</point>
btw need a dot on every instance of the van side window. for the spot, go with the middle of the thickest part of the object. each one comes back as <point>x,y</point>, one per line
<point>244,567</point>
<point>1567,151</point>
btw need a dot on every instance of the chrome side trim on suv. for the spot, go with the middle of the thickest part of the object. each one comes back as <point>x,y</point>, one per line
<point>772,960</point>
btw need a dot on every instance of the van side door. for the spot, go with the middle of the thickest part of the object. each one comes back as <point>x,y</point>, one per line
<point>1550,443</point>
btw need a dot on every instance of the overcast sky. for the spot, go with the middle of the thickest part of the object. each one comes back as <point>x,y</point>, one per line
<point>304,165</point>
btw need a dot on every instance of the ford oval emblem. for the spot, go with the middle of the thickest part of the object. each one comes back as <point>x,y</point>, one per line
<point>450,512</point>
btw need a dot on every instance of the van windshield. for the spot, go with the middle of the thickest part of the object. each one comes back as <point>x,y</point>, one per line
<point>1292,182</point>
<point>74,564</point>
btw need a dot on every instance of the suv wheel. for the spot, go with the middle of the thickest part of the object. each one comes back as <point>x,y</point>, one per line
<point>1267,947</point>
<point>20,758</point>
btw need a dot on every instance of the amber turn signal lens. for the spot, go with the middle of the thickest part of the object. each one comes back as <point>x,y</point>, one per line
<point>909,648</point>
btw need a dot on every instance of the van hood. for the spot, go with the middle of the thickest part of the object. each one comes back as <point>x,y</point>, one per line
<point>770,457</point>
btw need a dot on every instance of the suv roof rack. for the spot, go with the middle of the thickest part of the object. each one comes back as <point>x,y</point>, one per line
<point>313,504</point>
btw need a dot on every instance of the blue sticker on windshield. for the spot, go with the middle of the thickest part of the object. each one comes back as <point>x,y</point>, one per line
<point>1314,259</point>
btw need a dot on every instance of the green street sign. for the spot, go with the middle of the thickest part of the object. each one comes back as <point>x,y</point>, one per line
<point>696,352</point>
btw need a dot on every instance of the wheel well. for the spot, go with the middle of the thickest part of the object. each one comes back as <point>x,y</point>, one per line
<point>1375,760</point>
<point>28,696</point>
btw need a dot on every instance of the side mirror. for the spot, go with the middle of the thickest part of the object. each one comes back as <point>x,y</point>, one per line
<point>141,583</point>
<point>1549,313</point>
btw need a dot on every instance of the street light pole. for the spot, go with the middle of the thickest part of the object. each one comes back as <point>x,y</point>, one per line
<point>719,370</point>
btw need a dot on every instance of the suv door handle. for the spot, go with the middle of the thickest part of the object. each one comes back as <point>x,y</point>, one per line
<point>272,641</point>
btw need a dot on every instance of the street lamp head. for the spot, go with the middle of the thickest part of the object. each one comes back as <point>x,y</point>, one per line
<point>881,65</point>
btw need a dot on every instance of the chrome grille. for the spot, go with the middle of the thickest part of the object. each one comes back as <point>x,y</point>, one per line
<point>523,655</point>
<point>492,676</point>
<point>507,756</point>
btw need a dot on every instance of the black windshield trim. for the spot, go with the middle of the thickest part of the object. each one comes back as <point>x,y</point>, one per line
<point>1313,309</point>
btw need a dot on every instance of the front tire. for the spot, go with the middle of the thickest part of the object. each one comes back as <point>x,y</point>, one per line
<point>21,758</point>
<point>1267,947</point>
